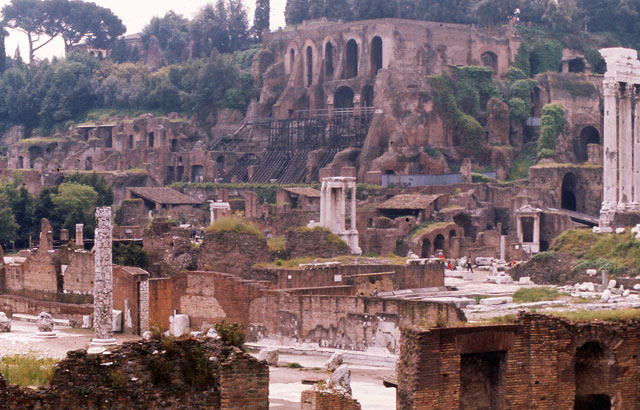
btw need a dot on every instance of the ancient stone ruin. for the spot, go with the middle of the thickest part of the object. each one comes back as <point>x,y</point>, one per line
<point>333,208</point>
<point>103,290</point>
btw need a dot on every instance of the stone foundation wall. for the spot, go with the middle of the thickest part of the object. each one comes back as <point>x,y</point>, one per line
<point>232,252</point>
<point>182,374</point>
<point>11,304</point>
<point>354,323</point>
<point>538,363</point>
<point>322,400</point>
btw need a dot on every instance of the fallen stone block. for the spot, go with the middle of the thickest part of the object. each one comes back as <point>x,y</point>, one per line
<point>341,379</point>
<point>592,272</point>
<point>606,295</point>
<point>612,284</point>
<point>179,325</point>
<point>5,323</point>
<point>496,301</point>
<point>269,355</point>
<point>587,287</point>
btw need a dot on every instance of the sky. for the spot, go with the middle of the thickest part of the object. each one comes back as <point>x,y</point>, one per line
<point>135,14</point>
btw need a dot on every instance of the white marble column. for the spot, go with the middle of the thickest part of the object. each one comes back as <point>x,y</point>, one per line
<point>353,208</point>
<point>519,229</point>
<point>610,161</point>
<point>323,204</point>
<point>625,148</point>
<point>536,229</point>
<point>103,282</point>
<point>636,149</point>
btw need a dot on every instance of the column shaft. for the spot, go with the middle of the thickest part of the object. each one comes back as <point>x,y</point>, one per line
<point>610,150</point>
<point>636,150</point>
<point>625,149</point>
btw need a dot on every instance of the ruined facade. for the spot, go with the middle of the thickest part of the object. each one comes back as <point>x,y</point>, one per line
<point>539,362</point>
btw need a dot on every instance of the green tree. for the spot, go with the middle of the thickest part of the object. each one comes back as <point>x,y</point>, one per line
<point>172,33</point>
<point>8,226</point>
<point>97,182</point>
<point>72,204</point>
<point>130,254</point>
<point>238,26</point>
<point>373,9</point>
<point>22,205</point>
<point>296,11</point>
<point>3,51</point>
<point>209,30</point>
<point>552,123</point>
<point>261,18</point>
<point>28,16</point>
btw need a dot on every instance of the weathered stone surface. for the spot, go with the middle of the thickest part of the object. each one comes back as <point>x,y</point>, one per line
<point>45,322</point>
<point>269,355</point>
<point>317,242</point>
<point>232,252</point>
<point>341,379</point>
<point>103,283</point>
<point>179,325</point>
<point>116,321</point>
<point>496,301</point>
<point>606,295</point>
<point>498,122</point>
<point>87,321</point>
<point>335,361</point>
<point>5,323</point>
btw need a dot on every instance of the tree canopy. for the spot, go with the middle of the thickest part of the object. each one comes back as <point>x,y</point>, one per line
<point>71,20</point>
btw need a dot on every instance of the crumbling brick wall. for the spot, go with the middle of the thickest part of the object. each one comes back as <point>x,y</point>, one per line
<point>324,400</point>
<point>232,252</point>
<point>540,362</point>
<point>181,374</point>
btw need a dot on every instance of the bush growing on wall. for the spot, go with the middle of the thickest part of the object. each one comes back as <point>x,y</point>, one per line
<point>551,125</point>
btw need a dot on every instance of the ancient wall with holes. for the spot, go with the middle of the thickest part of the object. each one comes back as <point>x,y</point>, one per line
<point>539,362</point>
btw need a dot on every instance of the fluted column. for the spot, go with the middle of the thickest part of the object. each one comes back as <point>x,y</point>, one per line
<point>636,149</point>
<point>610,151</point>
<point>625,148</point>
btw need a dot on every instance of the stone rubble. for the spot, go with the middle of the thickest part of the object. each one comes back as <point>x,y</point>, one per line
<point>269,355</point>
<point>45,322</point>
<point>335,361</point>
<point>5,323</point>
<point>341,379</point>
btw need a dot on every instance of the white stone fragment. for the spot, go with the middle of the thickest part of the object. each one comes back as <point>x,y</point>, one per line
<point>626,293</point>
<point>620,230</point>
<point>179,325</point>
<point>587,287</point>
<point>5,323</point>
<point>341,379</point>
<point>269,355</point>
<point>592,272</point>
<point>525,280</point>
<point>606,295</point>
<point>116,321</point>
<point>335,361</point>
<point>87,321</point>
<point>146,335</point>
<point>636,286</point>
<point>612,284</point>
<point>496,301</point>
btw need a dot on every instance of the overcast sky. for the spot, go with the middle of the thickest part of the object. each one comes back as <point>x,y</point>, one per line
<point>135,14</point>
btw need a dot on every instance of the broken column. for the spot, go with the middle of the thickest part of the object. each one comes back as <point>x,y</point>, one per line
<point>532,244</point>
<point>45,326</point>
<point>103,283</point>
<point>79,235</point>
<point>46,236</point>
<point>333,209</point>
<point>218,210</point>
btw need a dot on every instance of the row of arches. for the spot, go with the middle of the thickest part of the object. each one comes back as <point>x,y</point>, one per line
<point>351,60</point>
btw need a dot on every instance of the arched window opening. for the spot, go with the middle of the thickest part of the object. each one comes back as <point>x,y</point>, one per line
<point>292,60</point>
<point>343,98</point>
<point>88,164</point>
<point>367,94</point>
<point>577,65</point>
<point>425,252</point>
<point>376,55</point>
<point>20,162</point>
<point>438,242</point>
<point>593,373</point>
<point>309,66</point>
<point>588,135</point>
<point>490,59</point>
<point>351,69</point>
<point>151,139</point>
<point>569,185</point>
<point>328,60</point>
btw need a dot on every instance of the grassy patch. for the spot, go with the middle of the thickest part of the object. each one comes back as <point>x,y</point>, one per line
<point>427,227</point>
<point>277,243</point>
<point>294,365</point>
<point>344,259</point>
<point>535,295</point>
<point>27,370</point>
<point>40,140</point>
<point>609,315</point>
<point>237,225</point>
<point>616,253</point>
<point>522,162</point>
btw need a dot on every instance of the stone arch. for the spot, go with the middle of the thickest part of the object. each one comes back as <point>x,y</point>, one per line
<point>438,242</point>
<point>425,248</point>
<point>577,65</point>
<point>594,371</point>
<point>490,59</point>
<point>309,65</point>
<point>367,96</point>
<point>569,185</point>
<point>35,152</point>
<point>329,53</point>
<point>343,98</point>
<point>588,135</point>
<point>291,60</point>
<point>376,55</point>
<point>464,222</point>
<point>88,164</point>
<point>452,234</point>
<point>351,60</point>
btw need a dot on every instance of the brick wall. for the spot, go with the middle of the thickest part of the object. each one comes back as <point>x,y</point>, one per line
<point>205,296</point>
<point>37,277</point>
<point>537,370</point>
<point>78,277</point>
<point>136,376</point>
<point>323,400</point>
<point>404,276</point>
<point>354,323</point>
<point>130,297</point>
<point>11,304</point>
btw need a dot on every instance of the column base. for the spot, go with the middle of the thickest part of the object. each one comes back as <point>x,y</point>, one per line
<point>103,342</point>
<point>46,335</point>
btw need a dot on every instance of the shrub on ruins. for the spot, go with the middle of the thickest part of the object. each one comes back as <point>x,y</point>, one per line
<point>552,123</point>
<point>525,295</point>
<point>231,333</point>
<point>130,254</point>
<point>316,242</point>
<point>97,182</point>
<point>27,370</point>
<point>236,225</point>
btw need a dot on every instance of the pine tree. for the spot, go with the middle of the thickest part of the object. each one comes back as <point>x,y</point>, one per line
<point>317,9</point>
<point>261,18</point>
<point>296,11</point>
<point>3,54</point>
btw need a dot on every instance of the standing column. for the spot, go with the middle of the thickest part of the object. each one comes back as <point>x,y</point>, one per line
<point>323,205</point>
<point>79,235</point>
<point>625,148</point>
<point>636,149</point>
<point>610,160</point>
<point>353,208</point>
<point>103,283</point>
<point>536,229</point>
<point>519,228</point>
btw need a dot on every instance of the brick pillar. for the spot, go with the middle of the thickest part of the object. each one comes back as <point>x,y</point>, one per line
<point>79,235</point>
<point>103,283</point>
